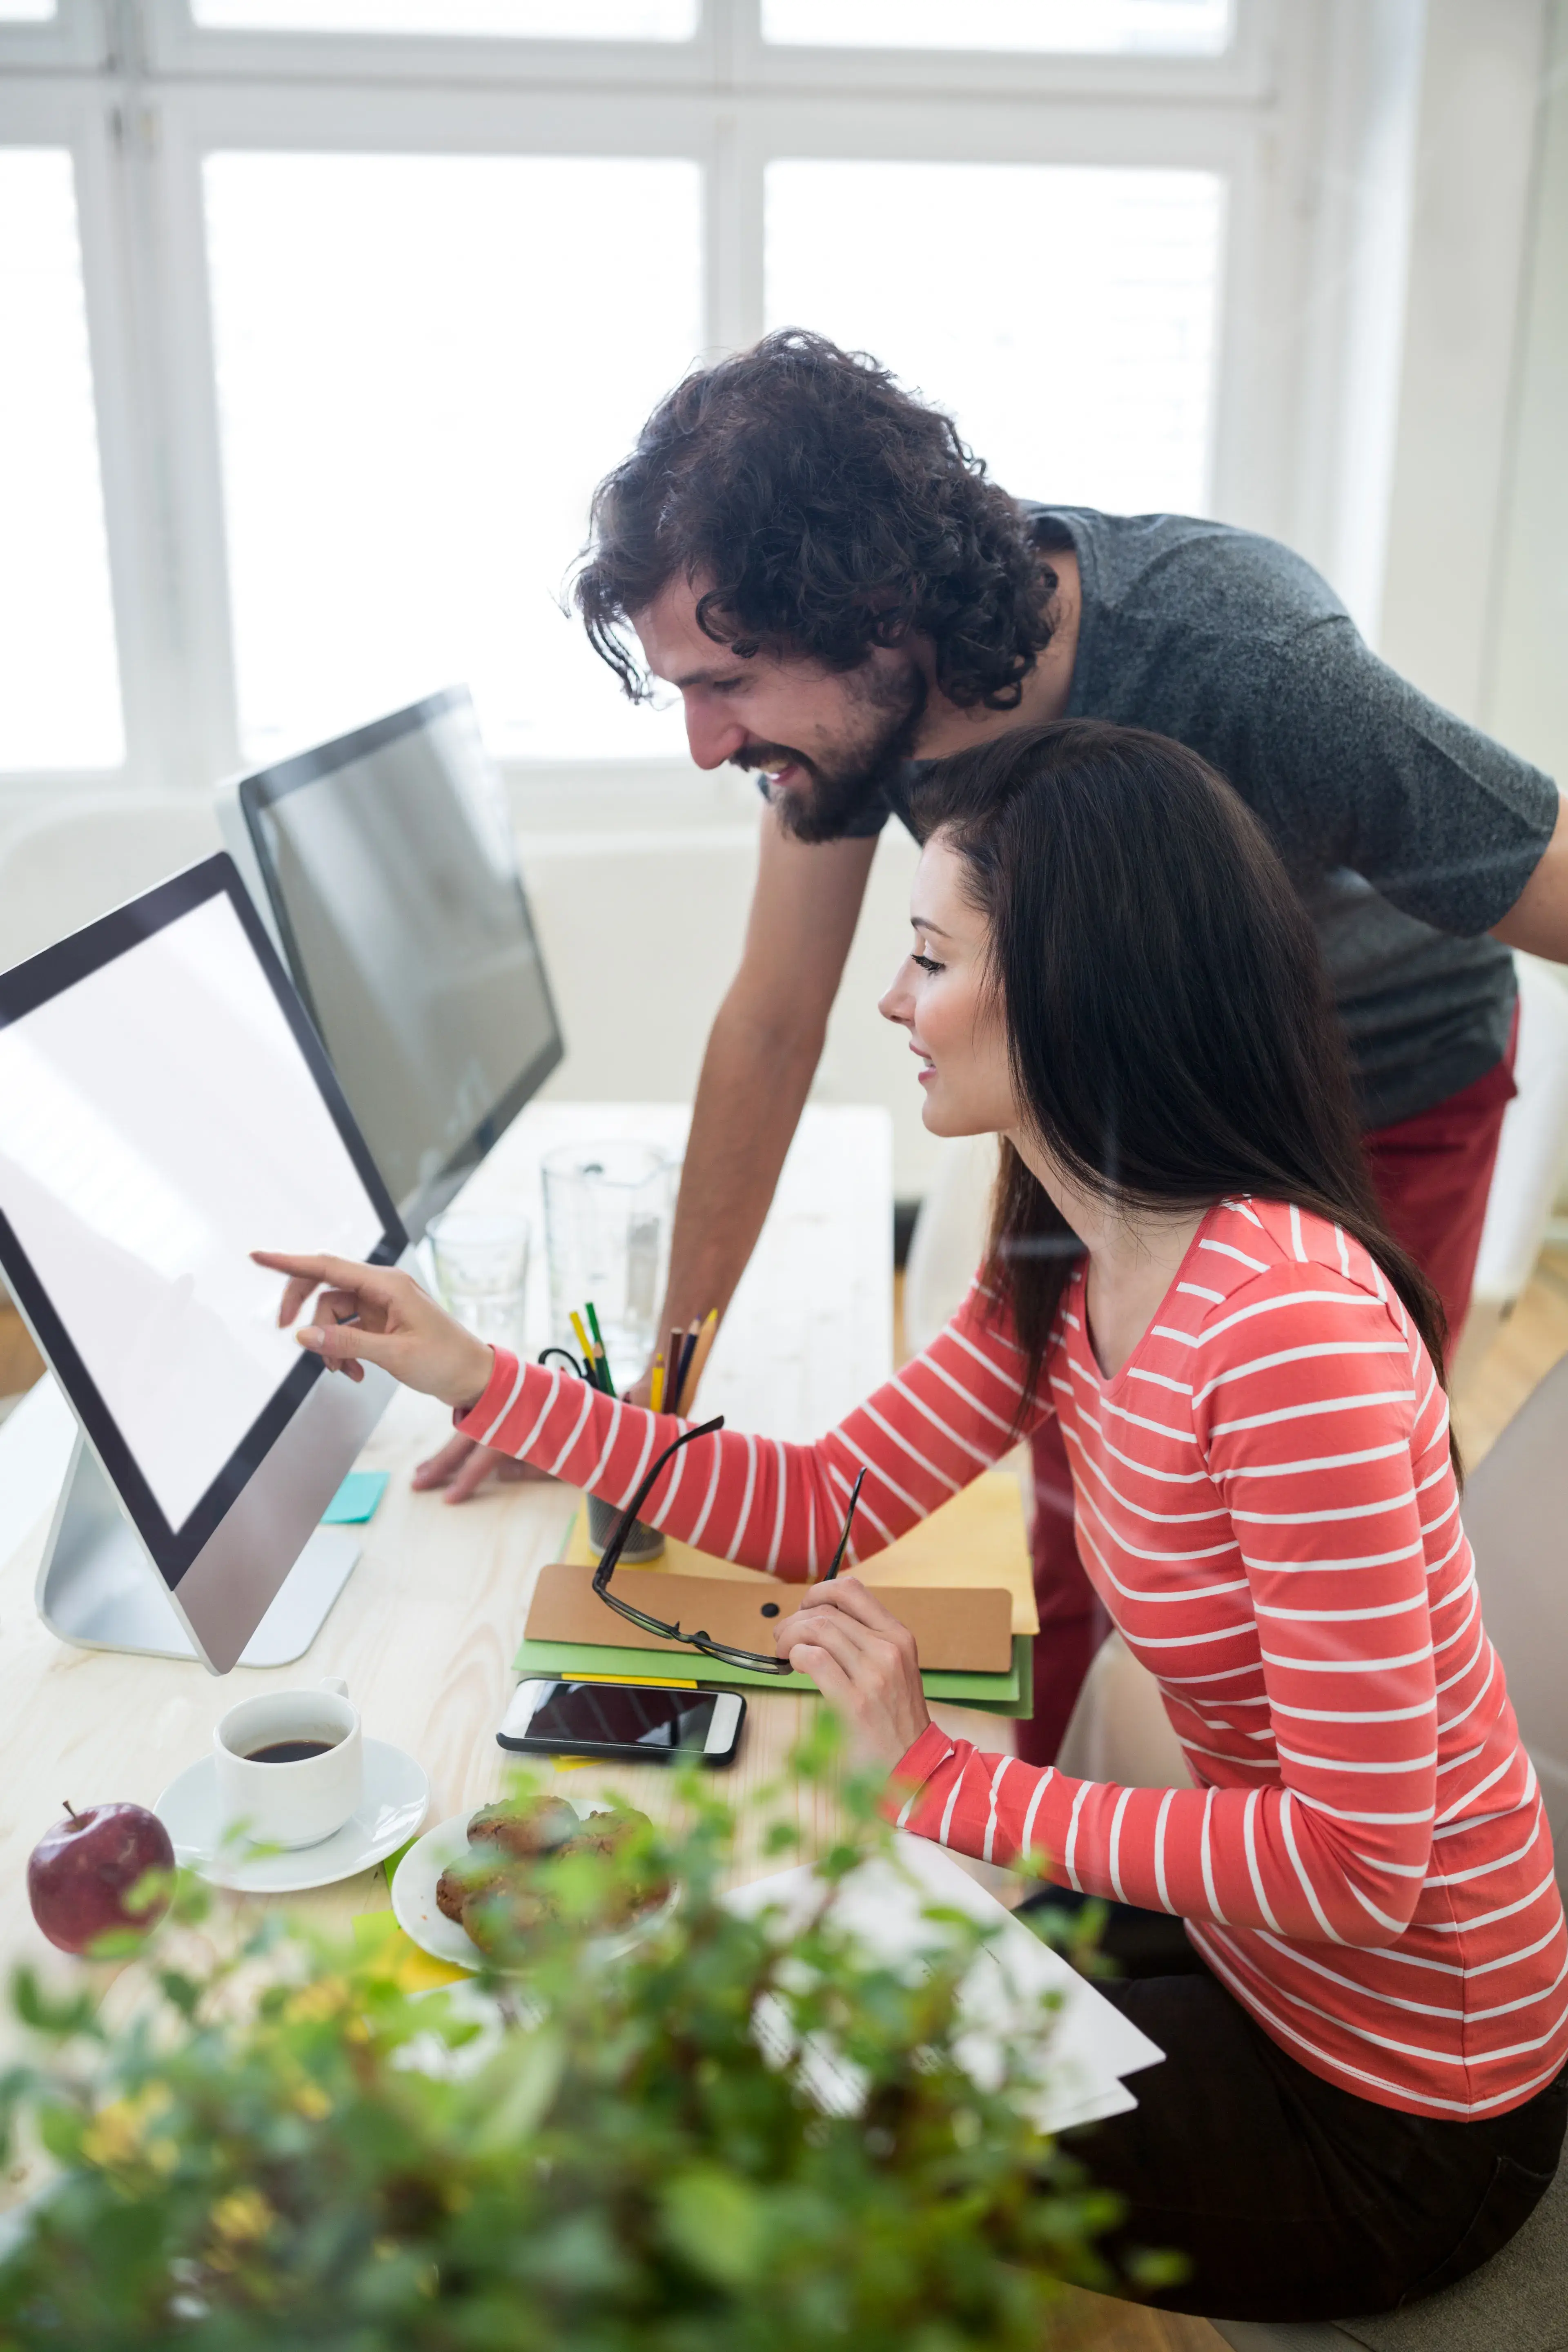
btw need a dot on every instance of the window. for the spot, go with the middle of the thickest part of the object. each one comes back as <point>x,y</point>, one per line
<point>376,290</point>
<point>562,20</point>
<point>60,702</point>
<point>419,384</point>
<point>1169,28</point>
<point>1083,373</point>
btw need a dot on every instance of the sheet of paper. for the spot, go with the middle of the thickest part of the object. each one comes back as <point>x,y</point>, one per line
<point>1092,2046</point>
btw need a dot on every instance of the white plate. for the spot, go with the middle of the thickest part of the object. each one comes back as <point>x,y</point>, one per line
<point>414,1894</point>
<point>396,1794</point>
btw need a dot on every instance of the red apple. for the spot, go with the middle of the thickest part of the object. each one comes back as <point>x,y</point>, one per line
<point>80,1871</point>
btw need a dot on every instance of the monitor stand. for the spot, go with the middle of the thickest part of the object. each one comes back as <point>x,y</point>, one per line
<point>98,1588</point>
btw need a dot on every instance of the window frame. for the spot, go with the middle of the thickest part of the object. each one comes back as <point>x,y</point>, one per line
<point>140,116</point>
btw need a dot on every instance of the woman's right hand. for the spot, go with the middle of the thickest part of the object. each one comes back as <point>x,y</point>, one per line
<point>374,1315</point>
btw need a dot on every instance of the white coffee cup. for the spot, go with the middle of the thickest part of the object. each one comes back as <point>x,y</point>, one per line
<point>301,1802</point>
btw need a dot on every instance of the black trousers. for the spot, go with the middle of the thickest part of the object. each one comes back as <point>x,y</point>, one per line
<point>1291,2199</point>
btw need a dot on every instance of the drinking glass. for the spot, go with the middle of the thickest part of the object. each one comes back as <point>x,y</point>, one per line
<point>481,1271</point>
<point>609,1209</point>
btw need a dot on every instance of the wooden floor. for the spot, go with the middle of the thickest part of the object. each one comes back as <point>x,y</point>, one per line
<point>1524,1351</point>
<point>1535,1337</point>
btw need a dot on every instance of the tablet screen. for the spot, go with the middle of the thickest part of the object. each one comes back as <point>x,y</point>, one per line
<point>158,1120</point>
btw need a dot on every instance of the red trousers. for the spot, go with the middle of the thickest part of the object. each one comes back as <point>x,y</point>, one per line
<point>1433,1173</point>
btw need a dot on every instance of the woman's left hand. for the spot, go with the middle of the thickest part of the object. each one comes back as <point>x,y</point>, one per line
<point>865,1663</point>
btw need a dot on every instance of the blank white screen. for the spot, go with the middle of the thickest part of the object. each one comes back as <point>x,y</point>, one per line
<point>158,1122</point>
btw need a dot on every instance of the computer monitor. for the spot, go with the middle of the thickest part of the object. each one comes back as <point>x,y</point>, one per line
<point>385,862</point>
<point>166,1108</point>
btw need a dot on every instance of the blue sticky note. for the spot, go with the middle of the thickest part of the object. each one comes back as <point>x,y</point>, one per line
<point>355,1499</point>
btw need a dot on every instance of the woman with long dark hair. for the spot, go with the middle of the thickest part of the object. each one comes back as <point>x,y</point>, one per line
<point>1364,2024</point>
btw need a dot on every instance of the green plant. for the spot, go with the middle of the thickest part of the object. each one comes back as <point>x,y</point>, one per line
<point>282,2148</point>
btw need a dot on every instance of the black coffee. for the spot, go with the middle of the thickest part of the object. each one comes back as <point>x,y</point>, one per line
<point>288,1752</point>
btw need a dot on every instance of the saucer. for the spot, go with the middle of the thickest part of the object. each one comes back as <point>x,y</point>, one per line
<point>420,1917</point>
<point>397,1793</point>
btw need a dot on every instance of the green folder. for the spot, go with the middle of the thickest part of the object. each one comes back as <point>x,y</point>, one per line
<point>1011,1693</point>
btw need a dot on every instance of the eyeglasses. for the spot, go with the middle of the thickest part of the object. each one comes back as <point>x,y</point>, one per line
<point>755,1659</point>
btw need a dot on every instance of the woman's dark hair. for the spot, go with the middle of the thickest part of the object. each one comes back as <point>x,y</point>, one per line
<point>829,512</point>
<point>1171,1032</point>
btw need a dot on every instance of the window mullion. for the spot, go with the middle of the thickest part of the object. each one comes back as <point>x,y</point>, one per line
<point>734,193</point>
<point>197,723</point>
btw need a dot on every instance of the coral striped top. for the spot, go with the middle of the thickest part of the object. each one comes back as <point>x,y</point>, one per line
<point>1266,1506</point>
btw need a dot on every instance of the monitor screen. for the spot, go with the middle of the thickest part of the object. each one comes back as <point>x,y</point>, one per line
<point>164,1110</point>
<point>387,859</point>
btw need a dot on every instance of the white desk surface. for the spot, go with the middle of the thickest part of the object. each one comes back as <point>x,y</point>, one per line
<point>427,1627</point>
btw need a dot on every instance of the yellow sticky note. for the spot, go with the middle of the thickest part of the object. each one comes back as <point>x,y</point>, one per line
<point>379,1940</point>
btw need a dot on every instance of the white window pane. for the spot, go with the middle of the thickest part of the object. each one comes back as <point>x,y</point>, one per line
<point>425,364</point>
<point>1064,316</point>
<point>59,680</point>
<point>27,12</point>
<point>540,20</point>
<point>1169,28</point>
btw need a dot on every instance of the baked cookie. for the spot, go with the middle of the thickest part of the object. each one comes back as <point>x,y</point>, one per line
<point>523,1832</point>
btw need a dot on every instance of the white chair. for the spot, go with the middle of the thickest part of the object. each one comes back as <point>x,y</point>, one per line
<point>1532,1150</point>
<point>64,866</point>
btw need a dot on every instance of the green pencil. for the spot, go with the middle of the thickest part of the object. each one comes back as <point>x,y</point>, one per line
<point>600,1353</point>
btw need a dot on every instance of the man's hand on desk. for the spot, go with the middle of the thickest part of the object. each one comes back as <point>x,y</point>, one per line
<point>463,1465</point>
<point>865,1663</point>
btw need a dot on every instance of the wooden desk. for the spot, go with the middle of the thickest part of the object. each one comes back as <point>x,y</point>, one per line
<point>428,1625</point>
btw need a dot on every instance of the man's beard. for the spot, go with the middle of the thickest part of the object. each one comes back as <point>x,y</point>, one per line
<point>845,786</point>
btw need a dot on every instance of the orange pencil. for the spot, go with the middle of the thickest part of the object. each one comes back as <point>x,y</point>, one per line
<point>705,1338</point>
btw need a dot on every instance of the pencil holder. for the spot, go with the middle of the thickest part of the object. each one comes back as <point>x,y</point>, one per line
<point>643,1544</point>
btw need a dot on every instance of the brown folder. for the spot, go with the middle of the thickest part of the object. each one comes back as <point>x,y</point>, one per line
<point>965,1629</point>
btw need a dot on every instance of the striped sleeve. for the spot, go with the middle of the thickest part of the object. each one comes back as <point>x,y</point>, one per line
<point>1321,1425</point>
<point>945,1417</point>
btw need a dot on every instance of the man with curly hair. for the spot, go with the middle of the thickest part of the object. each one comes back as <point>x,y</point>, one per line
<point>827,577</point>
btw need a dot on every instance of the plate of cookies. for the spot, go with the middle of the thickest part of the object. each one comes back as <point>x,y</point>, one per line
<point>471,1882</point>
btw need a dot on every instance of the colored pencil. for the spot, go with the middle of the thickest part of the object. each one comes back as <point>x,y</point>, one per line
<point>656,1395</point>
<point>593,1322</point>
<point>602,1369</point>
<point>584,1342</point>
<point>673,1373</point>
<point>687,1349</point>
<point>844,1538</point>
<point>705,1338</point>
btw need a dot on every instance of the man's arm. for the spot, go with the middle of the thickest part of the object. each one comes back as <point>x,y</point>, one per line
<point>763,1050</point>
<point>1538,919</point>
<point>761,1055</point>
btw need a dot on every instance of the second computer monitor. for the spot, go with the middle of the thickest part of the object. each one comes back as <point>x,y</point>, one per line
<point>385,862</point>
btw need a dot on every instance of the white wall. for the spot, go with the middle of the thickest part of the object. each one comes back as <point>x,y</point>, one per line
<point>1524,684</point>
<point>641,926</point>
<point>1476,147</point>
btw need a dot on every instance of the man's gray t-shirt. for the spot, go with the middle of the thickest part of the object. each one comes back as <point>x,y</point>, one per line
<point>1407,833</point>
